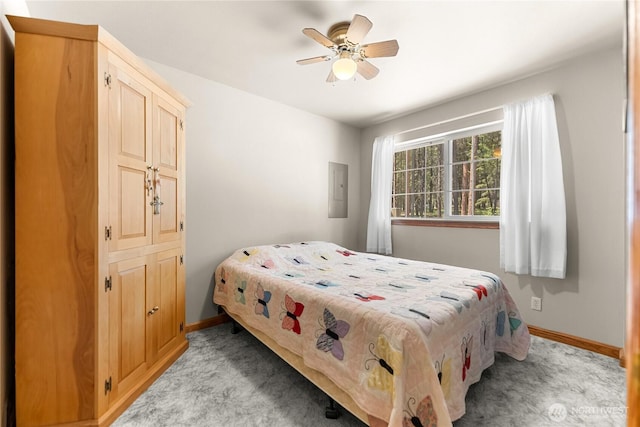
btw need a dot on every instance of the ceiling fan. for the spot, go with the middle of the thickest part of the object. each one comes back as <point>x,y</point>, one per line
<point>343,39</point>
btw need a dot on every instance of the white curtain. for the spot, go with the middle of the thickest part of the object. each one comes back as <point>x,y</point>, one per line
<point>533,237</point>
<point>379,225</point>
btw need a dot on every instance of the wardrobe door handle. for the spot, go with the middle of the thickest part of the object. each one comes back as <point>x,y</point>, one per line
<point>148,183</point>
<point>153,310</point>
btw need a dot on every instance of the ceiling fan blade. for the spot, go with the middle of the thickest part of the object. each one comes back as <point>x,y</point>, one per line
<point>318,36</point>
<point>313,60</point>
<point>331,78</point>
<point>359,28</point>
<point>367,69</point>
<point>379,49</point>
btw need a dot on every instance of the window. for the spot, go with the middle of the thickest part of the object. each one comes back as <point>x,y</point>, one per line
<point>454,176</point>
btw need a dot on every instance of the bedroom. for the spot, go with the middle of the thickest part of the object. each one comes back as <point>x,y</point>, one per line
<point>226,123</point>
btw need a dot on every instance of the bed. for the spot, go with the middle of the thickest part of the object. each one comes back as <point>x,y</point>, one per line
<point>395,341</point>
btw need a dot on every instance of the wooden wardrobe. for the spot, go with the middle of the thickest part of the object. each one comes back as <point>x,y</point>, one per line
<point>100,197</point>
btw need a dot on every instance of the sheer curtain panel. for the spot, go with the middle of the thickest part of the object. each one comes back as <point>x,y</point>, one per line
<point>533,237</point>
<point>379,224</point>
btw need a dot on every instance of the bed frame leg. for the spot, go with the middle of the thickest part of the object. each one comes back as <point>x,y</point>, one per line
<point>235,327</point>
<point>331,411</point>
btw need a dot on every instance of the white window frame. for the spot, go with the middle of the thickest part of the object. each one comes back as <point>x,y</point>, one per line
<point>446,138</point>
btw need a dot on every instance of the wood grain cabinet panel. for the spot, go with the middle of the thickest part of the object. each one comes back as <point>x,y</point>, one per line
<point>167,296</point>
<point>128,358</point>
<point>99,266</point>
<point>168,155</point>
<point>130,155</point>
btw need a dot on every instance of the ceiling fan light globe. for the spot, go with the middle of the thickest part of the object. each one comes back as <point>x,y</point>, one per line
<point>344,68</point>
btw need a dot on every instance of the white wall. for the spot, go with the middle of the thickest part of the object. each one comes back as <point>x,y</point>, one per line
<point>590,302</point>
<point>257,173</point>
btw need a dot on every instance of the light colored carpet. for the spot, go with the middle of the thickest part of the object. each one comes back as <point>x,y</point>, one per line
<point>234,380</point>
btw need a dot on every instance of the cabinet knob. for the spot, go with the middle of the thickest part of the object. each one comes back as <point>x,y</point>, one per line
<point>153,310</point>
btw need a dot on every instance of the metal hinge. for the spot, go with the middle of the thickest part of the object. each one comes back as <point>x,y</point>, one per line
<point>181,125</point>
<point>107,283</point>
<point>107,79</point>
<point>181,226</point>
<point>181,259</point>
<point>181,326</point>
<point>107,233</point>
<point>107,385</point>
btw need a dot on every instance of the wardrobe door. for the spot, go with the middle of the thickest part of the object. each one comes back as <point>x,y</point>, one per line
<point>129,309</point>
<point>167,294</point>
<point>130,160</point>
<point>167,161</point>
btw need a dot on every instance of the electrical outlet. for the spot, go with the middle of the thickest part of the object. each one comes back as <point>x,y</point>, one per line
<point>536,303</point>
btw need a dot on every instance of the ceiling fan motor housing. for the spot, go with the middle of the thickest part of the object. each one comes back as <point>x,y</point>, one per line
<point>338,32</point>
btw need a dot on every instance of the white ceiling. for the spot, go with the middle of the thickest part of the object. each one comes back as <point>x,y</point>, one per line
<point>447,48</point>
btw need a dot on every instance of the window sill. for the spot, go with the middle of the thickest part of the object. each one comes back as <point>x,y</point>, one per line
<point>446,223</point>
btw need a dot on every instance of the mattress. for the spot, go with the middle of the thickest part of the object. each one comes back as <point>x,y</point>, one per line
<point>405,339</point>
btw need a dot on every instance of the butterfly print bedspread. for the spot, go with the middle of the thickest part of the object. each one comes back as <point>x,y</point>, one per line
<point>405,339</point>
